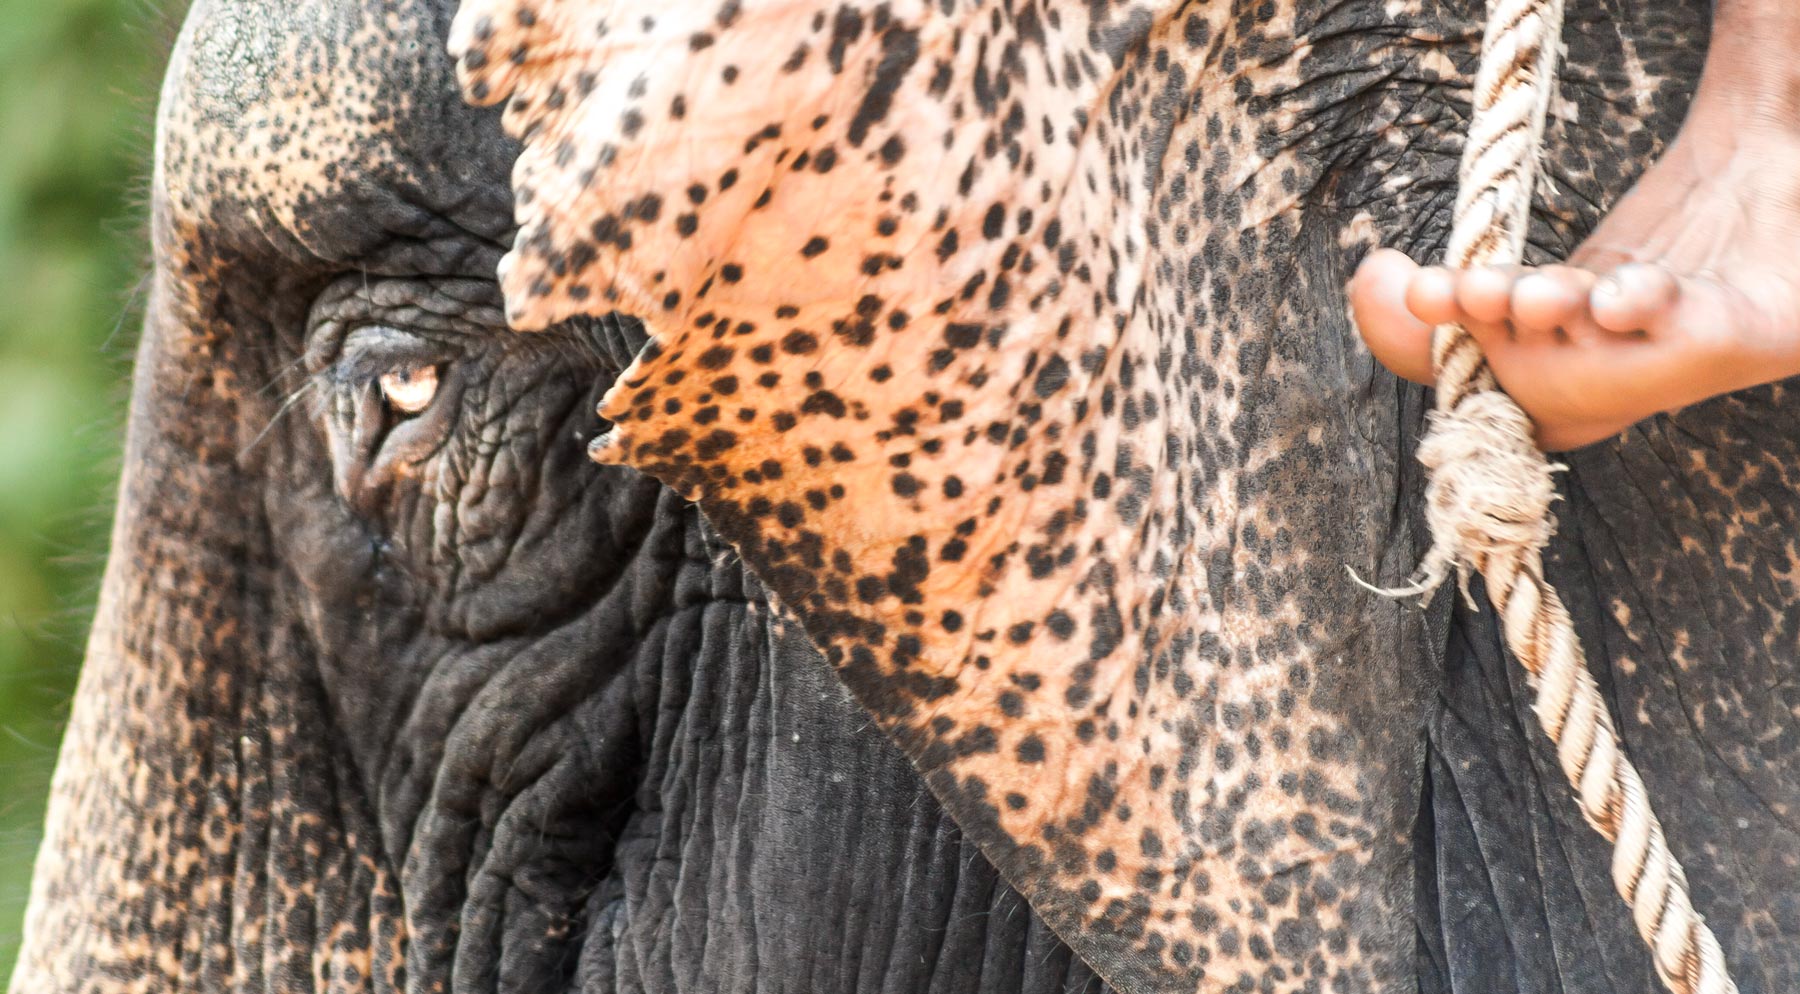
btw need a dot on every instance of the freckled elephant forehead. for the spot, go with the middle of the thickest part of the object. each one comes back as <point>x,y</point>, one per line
<point>277,106</point>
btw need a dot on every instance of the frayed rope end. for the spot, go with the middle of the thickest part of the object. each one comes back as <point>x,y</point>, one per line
<point>1489,493</point>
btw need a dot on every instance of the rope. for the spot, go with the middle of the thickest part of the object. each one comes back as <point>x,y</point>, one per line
<point>1489,495</point>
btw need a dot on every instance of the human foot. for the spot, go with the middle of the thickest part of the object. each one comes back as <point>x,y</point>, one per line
<point>1688,289</point>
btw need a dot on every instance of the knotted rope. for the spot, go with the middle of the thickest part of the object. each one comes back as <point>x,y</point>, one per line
<point>1490,490</point>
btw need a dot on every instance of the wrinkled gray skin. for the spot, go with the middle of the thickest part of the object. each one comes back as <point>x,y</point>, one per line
<point>518,722</point>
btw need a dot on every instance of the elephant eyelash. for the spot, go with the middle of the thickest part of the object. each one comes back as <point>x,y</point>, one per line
<point>287,404</point>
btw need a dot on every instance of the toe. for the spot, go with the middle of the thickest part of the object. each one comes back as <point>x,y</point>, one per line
<point>1431,296</point>
<point>1378,305</point>
<point>1715,335</point>
<point>1550,299</point>
<point>1486,294</point>
<point>1636,297</point>
<point>1492,336</point>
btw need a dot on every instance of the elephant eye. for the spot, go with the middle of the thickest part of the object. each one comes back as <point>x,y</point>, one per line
<point>409,390</point>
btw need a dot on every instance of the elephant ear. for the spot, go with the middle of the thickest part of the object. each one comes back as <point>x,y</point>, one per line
<point>952,337</point>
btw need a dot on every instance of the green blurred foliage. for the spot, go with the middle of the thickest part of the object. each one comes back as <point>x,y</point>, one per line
<point>78,81</point>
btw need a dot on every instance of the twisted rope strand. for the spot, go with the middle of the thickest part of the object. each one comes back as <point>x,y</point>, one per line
<point>1489,495</point>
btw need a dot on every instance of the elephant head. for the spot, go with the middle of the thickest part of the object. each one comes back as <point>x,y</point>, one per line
<point>992,351</point>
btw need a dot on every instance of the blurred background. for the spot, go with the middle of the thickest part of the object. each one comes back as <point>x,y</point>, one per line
<point>78,81</point>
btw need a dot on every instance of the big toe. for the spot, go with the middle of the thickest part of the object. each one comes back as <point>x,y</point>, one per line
<point>1378,305</point>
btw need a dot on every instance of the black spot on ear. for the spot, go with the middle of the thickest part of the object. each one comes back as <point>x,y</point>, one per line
<point>899,51</point>
<point>993,225</point>
<point>824,402</point>
<point>1052,376</point>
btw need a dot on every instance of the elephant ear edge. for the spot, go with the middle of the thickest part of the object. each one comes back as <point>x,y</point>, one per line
<point>905,354</point>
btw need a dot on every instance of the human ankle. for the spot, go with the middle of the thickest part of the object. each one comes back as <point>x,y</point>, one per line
<point>1751,73</point>
<point>1774,21</point>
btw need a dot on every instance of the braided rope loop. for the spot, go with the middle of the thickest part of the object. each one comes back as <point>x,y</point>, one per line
<point>1489,496</point>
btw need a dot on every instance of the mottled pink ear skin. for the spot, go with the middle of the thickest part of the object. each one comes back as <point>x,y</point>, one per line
<point>968,318</point>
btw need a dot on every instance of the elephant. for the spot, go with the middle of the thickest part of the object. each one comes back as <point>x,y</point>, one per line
<point>956,598</point>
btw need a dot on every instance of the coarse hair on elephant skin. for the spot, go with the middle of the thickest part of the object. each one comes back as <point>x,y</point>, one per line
<point>972,377</point>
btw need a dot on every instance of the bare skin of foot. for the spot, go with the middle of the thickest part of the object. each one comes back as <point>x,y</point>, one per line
<point>1688,289</point>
